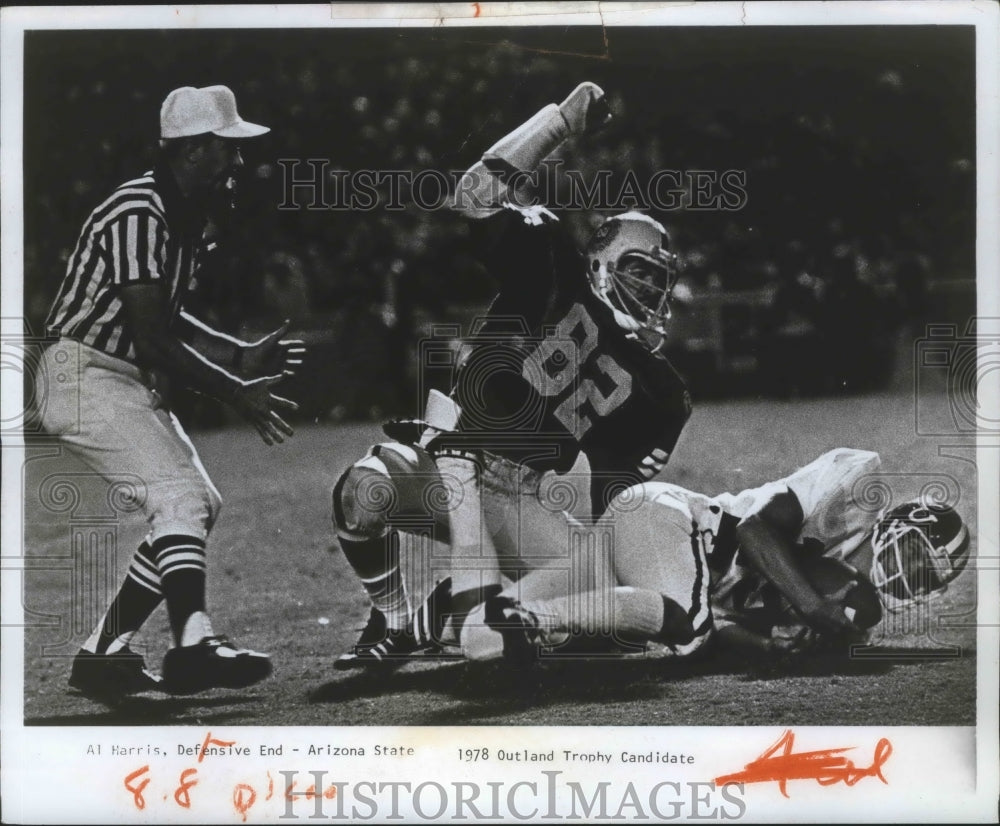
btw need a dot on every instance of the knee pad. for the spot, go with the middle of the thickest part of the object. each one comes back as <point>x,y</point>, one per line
<point>362,500</point>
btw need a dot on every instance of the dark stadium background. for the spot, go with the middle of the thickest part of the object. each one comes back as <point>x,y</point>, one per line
<point>858,144</point>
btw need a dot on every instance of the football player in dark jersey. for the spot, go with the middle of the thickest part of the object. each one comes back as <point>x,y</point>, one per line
<point>568,363</point>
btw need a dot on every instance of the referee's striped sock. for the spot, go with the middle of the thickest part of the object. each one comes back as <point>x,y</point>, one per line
<point>181,563</point>
<point>137,598</point>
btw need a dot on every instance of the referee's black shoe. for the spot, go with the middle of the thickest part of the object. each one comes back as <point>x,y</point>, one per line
<point>109,677</point>
<point>214,662</point>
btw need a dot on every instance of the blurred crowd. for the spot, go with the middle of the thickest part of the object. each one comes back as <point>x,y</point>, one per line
<point>857,200</point>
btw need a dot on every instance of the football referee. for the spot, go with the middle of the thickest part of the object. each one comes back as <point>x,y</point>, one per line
<point>124,338</point>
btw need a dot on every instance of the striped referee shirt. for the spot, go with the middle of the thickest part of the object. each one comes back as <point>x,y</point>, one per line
<point>145,232</point>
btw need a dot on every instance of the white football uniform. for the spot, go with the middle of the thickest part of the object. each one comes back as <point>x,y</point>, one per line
<point>835,522</point>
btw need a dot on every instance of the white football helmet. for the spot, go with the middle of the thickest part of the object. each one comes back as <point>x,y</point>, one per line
<point>632,270</point>
<point>918,550</point>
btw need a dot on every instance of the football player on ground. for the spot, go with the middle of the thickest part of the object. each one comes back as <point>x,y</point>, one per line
<point>794,565</point>
<point>568,362</point>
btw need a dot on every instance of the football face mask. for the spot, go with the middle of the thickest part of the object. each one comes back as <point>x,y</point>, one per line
<point>641,286</point>
<point>918,550</point>
<point>632,271</point>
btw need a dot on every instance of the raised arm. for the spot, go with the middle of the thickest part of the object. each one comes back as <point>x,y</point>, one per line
<point>503,172</point>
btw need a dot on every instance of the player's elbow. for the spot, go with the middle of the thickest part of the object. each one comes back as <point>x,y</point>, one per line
<point>479,193</point>
<point>749,529</point>
<point>782,514</point>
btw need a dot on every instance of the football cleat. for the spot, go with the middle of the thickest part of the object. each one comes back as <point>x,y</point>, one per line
<point>215,662</point>
<point>374,633</point>
<point>918,549</point>
<point>519,627</point>
<point>380,646</point>
<point>109,677</point>
<point>393,649</point>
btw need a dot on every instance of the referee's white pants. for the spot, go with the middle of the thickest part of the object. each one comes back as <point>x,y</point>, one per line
<point>106,411</point>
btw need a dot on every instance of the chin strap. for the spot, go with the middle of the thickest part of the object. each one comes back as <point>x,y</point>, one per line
<point>625,321</point>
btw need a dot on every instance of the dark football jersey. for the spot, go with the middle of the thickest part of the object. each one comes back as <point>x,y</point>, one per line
<point>548,372</point>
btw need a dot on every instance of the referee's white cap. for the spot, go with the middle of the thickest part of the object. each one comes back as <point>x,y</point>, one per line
<point>212,109</point>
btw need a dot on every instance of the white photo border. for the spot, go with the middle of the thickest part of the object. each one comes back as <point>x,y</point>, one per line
<point>47,775</point>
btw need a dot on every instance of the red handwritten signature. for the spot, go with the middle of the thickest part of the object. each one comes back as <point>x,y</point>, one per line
<point>825,766</point>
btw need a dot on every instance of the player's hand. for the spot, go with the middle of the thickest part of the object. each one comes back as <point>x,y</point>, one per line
<point>791,640</point>
<point>258,405</point>
<point>272,355</point>
<point>828,617</point>
<point>585,109</point>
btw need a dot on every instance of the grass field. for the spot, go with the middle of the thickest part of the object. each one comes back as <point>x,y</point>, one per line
<point>278,583</point>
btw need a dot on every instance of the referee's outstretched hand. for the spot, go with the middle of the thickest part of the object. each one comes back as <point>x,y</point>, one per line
<point>273,354</point>
<point>258,405</point>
